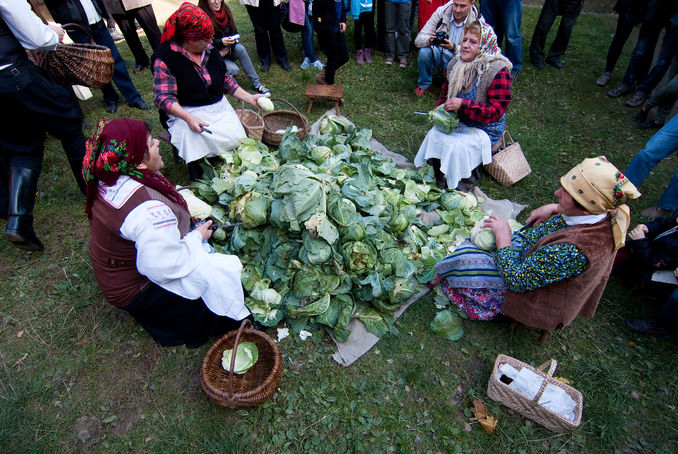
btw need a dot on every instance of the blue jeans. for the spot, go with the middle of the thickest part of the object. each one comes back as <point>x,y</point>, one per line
<point>662,144</point>
<point>120,75</point>
<point>238,52</point>
<point>643,53</point>
<point>431,60</point>
<point>505,17</point>
<point>307,37</point>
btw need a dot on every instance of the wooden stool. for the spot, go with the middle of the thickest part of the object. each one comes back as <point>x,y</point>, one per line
<point>334,93</point>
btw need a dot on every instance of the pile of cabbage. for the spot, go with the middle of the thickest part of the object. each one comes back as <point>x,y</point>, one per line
<point>331,229</point>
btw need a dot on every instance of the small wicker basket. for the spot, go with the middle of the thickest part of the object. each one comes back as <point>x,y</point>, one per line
<point>530,408</point>
<point>90,65</point>
<point>251,121</point>
<point>509,164</point>
<point>281,119</point>
<point>253,387</point>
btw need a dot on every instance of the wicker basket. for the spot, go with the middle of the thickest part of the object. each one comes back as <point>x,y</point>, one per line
<point>530,408</point>
<point>90,65</point>
<point>251,121</point>
<point>253,387</point>
<point>509,164</point>
<point>281,119</point>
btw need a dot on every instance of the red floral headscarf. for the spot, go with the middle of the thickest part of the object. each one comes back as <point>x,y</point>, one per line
<point>188,22</point>
<point>116,148</point>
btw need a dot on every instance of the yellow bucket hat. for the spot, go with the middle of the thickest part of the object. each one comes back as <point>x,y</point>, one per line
<point>597,185</point>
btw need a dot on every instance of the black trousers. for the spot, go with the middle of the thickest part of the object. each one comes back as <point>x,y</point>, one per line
<point>569,10</point>
<point>267,32</point>
<point>146,18</point>
<point>33,105</point>
<point>334,46</point>
<point>173,320</point>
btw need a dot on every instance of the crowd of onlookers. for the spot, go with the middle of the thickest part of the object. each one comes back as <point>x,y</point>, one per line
<point>470,51</point>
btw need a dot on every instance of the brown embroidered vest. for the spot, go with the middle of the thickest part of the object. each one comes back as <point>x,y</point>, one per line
<point>556,305</point>
<point>113,257</point>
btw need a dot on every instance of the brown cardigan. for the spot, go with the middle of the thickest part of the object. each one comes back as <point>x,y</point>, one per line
<point>557,304</point>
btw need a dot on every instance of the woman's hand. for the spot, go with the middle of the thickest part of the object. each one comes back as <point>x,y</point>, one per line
<point>453,104</point>
<point>194,123</point>
<point>342,27</point>
<point>58,30</point>
<point>204,229</point>
<point>541,214</point>
<point>639,232</point>
<point>227,41</point>
<point>501,229</point>
<point>225,51</point>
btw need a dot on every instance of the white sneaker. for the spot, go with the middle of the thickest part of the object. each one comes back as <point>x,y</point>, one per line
<point>306,63</point>
<point>318,64</point>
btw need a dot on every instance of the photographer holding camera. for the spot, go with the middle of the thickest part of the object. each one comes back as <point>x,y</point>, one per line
<point>438,39</point>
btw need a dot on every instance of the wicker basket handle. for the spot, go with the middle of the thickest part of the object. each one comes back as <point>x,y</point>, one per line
<point>79,28</point>
<point>289,104</point>
<point>241,105</point>
<point>503,139</point>
<point>552,368</point>
<point>244,324</point>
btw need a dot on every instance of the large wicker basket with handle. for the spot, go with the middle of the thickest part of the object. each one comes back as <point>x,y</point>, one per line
<point>281,119</point>
<point>90,65</point>
<point>509,164</point>
<point>253,387</point>
<point>531,408</point>
<point>251,121</point>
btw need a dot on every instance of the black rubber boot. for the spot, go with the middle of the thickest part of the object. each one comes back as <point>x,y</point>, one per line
<point>22,186</point>
<point>76,167</point>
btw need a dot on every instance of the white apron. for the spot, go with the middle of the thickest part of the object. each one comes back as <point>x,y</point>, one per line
<point>459,153</point>
<point>224,124</point>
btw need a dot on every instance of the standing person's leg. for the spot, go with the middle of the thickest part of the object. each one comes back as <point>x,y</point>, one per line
<point>546,18</point>
<point>380,5</point>
<point>511,18</point>
<point>275,33</point>
<point>662,144</point>
<point>390,17</point>
<point>564,33</point>
<point>643,53</point>
<point>307,41</point>
<point>621,35</point>
<point>489,10</point>
<point>358,40</point>
<point>240,53</point>
<point>367,19</point>
<point>414,9</point>
<point>148,21</point>
<point>259,20</point>
<point>667,52</point>
<point>402,25</point>
<point>129,31</point>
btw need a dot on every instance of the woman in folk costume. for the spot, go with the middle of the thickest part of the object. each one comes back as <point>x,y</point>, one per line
<point>479,90</point>
<point>552,271</point>
<point>146,259</point>
<point>190,81</point>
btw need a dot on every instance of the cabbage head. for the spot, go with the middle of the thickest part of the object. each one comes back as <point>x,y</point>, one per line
<point>251,207</point>
<point>360,256</point>
<point>447,324</point>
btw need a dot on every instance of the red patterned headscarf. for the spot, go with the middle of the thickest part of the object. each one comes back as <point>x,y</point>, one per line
<point>188,22</point>
<point>116,148</point>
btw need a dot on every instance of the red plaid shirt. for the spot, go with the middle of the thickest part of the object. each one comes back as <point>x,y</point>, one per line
<point>498,99</point>
<point>165,84</point>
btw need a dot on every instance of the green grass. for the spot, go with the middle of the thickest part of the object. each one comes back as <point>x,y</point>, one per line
<point>77,375</point>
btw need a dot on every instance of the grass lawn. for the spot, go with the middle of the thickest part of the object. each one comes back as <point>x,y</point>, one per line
<point>78,375</point>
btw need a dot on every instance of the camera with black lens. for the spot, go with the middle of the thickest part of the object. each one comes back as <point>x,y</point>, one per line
<point>439,38</point>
